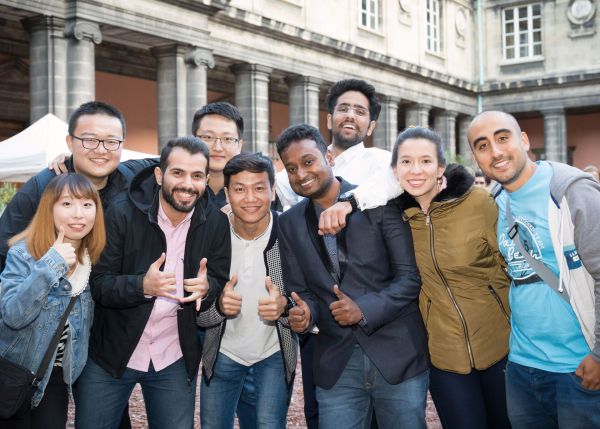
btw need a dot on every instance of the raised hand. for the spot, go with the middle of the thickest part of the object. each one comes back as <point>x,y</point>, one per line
<point>230,301</point>
<point>198,286</point>
<point>344,310</point>
<point>299,316</point>
<point>65,250</point>
<point>58,164</point>
<point>271,307</point>
<point>159,283</point>
<point>333,220</point>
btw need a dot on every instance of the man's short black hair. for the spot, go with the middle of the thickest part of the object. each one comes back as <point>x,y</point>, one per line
<point>191,144</point>
<point>252,162</point>
<point>220,108</point>
<point>300,132</point>
<point>343,86</point>
<point>95,108</point>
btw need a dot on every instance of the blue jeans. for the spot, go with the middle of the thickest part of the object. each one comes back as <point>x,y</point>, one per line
<point>219,398</point>
<point>538,399</point>
<point>361,388</point>
<point>101,399</point>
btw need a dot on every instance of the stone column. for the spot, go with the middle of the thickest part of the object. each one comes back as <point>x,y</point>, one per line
<point>81,67</point>
<point>417,115</point>
<point>555,135</point>
<point>47,67</point>
<point>171,92</point>
<point>444,123</point>
<point>386,131</point>
<point>304,100</point>
<point>464,149</point>
<point>252,99</point>
<point>198,60</point>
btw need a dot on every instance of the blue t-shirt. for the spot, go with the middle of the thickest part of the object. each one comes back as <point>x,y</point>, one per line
<point>545,332</point>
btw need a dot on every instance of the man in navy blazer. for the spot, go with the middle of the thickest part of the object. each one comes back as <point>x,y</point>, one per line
<point>360,289</point>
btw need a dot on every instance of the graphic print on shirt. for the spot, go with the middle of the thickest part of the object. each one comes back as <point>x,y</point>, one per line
<point>520,270</point>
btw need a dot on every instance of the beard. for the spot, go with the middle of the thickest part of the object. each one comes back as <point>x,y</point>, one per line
<point>169,196</point>
<point>347,143</point>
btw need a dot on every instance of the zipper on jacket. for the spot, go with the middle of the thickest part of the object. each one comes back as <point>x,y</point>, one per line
<point>439,271</point>
<point>499,301</point>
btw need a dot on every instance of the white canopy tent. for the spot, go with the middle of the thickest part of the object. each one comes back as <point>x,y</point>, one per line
<point>25,154</point>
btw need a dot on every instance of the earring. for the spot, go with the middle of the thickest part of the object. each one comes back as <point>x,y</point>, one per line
<point>439,180</point>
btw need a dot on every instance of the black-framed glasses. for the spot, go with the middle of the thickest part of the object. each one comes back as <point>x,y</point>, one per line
<point>225,141</point>
<point>92,143</point>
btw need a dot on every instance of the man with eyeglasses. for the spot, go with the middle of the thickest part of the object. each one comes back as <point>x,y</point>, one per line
<point>220,126</point>
<point>96,135</point>
<point>353,110</point>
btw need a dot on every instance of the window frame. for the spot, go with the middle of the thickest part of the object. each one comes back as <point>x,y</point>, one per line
<point>516,34</point>
<point>433,30</point>
<point>375,15</point>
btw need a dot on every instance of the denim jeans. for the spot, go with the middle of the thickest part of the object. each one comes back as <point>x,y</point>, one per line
<point>219,398</point>
<point>538,399</point>
<point>361,388</point>
<point>101,399</point>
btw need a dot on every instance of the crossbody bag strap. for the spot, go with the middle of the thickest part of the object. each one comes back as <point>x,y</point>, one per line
<point>54,342</point>
<point>538,266</point>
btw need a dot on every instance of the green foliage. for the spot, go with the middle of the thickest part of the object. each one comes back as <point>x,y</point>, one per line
<point>7,191</point>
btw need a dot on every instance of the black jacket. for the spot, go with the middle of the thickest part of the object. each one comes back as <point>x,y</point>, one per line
<point>134,240</point>
<point>377,270</point>
<point>22,207</point>
<point>214,321</point>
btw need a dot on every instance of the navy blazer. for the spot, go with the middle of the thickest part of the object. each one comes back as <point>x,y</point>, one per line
<point>378,271</point>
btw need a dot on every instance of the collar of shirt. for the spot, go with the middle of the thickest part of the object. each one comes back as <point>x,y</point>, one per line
<point>349,154</point>
<point>164,221</point>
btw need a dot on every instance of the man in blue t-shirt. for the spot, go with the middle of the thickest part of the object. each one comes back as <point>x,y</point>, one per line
<point>553,374</point>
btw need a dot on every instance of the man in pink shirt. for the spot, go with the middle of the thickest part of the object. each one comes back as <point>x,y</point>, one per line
<point>167,257</point>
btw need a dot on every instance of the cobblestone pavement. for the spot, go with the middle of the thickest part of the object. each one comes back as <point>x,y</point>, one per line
<point>295,420</point>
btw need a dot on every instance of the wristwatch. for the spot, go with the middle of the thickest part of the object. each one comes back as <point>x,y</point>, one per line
<point>350,198</point>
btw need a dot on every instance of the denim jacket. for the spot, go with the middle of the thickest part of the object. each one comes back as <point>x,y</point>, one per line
<point>33,297</point>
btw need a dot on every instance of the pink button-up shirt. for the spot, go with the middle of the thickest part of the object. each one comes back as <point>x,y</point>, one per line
<point>160,341</point>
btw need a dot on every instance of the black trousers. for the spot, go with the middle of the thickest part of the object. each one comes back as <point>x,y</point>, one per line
<point>470,401</point>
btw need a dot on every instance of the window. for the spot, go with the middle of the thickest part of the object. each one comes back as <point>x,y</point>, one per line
<point>434,38</point>
<point>522,27</point>
<point>370,14</point>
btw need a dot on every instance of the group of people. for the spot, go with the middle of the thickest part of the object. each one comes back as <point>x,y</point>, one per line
<point>394,273</point>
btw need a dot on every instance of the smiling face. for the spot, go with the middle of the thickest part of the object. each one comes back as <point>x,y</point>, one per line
<point>418,169</point>
<point>183,182</point>
<point>96,164</point>
<point>308,171</point>
<point>220,151</point>
<point>500,149</point>
<point>250,196</point>
<point>75,215</point>
<point>350,122</point>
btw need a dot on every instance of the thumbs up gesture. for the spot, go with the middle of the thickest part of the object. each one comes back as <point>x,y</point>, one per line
<point>65,250</point>
<point>271,307</point>
<point>299,316</point>
<point>159,283</point>
<point>344,310</point>
<point>230,301</point>
<point>198,286</point>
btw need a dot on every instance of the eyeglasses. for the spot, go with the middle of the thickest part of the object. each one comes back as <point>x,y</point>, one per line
<point>212,140</point>
<point>92,144</point>
<point>345,108</point>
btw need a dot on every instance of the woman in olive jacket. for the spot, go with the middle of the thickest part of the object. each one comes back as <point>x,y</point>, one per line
<point>464,296</point>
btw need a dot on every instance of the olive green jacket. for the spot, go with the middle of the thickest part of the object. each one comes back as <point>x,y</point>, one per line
<point>464,295</point>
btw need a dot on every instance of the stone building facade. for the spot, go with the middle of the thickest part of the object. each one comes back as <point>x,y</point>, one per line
<point>433,62</point>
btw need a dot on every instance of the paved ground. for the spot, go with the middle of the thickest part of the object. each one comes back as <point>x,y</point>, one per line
<point>295,414</point>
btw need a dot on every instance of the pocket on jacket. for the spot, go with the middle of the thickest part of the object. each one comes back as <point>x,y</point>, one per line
<point>499,302</point>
